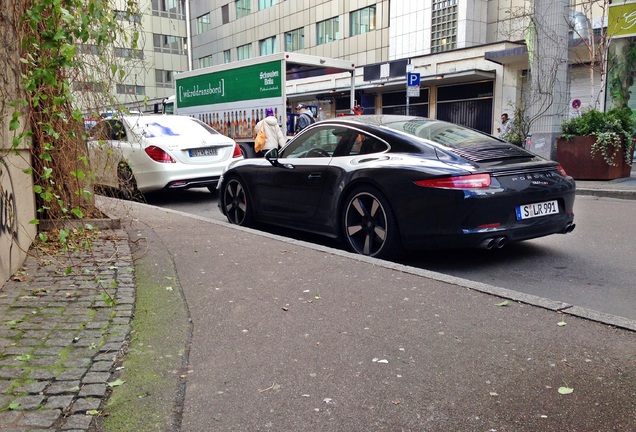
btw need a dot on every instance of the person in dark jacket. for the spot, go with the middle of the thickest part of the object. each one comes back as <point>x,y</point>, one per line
<point>305,117</point>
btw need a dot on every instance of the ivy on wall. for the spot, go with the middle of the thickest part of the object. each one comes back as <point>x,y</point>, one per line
<point>63,43</point>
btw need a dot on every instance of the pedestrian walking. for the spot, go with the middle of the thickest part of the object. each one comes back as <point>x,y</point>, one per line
<point>274,136</point>
<point>305,117</point>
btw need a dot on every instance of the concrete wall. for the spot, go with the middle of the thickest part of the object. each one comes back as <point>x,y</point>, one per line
<point>17,202</point>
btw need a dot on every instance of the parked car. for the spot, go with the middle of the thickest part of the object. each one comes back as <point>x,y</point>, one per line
<point>384,184</point>
<point>90,122</point>
<point>143,153</point>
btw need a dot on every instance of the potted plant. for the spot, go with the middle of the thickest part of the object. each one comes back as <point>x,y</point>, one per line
<point>597,145</point>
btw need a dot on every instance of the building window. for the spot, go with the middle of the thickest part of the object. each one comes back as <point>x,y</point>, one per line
<point>168,44</point>
<point>362,20</point>
<point>394,103</point>
<point>328,30</point>
<point>244,52</point>
<point>129,53</point>
<point>267,46</point>
<point>88,49</point>
<point>127,16</point>
<point>444,25</point>
<point>243,8</point>
<point>131,89</point>
<point>203,23</point>
<point>84,86</point>
<point>205,61</point>
<point>169,8</point>
<point>163,78</point>
<point>264,4</point>
<point>227,56</point>
<point>225,14</point>
<point>295,40</point>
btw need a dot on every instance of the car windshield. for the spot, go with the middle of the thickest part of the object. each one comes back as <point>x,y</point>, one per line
<point>444,133</point>
<point>170,127</point>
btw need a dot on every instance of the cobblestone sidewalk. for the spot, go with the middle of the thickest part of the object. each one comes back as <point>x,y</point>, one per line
<point>60,340</point>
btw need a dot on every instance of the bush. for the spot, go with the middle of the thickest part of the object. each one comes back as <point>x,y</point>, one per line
<point>619,120</point>
<point>613,129</point>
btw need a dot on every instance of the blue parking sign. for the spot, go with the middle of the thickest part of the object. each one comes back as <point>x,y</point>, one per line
<point>412,79</point>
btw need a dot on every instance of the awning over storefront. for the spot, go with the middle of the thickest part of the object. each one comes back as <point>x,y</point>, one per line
<point>579,52</point>
<point>457,77</point>
<point>399,83</point>
<point>508,56</point>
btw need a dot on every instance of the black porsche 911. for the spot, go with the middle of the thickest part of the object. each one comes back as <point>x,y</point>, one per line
<point>386,184</point>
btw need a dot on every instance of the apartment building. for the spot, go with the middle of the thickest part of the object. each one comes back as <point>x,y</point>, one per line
<point>161,52</point>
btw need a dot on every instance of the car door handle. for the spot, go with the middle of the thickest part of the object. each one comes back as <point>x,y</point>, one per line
<point>314,176</point>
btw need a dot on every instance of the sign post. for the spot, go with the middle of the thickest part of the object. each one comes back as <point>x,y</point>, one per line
<point>412,87</point>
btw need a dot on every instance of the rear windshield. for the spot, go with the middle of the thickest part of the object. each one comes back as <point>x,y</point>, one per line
<point>170,126</point>
<point>444,133</point>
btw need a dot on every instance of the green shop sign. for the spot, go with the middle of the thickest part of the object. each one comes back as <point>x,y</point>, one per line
<point>621,19</point>
<point>250,82</point>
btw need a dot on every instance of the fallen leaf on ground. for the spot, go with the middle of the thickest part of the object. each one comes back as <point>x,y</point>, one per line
<point>116,383</point>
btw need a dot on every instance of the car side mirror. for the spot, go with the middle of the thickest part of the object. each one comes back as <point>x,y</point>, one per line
<point>272,156</point>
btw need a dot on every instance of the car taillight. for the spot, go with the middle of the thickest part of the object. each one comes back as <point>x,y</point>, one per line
<point>562,171</point>
<point>237,151</point>
<point>459,182</point>
<point>158,155</point>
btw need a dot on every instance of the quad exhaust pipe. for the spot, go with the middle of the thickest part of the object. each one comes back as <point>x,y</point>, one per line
<point>499,242</point>
<point>493,242</point>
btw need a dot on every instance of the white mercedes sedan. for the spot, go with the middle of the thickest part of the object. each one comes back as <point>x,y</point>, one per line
<point>136,154</point>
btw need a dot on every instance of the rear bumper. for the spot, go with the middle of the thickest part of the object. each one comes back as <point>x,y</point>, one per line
<point>467,218</point>
<point>193,183</point>
<point>174,176</point>
<point>561,224</point>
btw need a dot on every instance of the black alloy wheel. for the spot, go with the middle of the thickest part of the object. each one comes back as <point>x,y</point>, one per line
<point>236,203</point>
<point>369,226</point>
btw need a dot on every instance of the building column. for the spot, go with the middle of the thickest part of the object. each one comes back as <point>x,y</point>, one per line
<point>549,91</point>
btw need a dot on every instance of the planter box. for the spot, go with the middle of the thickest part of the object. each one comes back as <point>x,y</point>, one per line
<point>576,158</point>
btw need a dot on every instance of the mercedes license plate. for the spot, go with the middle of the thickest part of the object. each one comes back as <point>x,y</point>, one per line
<point>203,152</point>
<point>528,211</point>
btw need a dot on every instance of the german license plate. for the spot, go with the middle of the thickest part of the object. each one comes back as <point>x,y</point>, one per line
<point>203,152</point>
<point>528,211</point>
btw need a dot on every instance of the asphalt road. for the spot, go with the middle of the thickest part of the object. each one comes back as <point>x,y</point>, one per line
<point>593,267</point>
